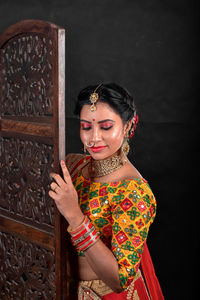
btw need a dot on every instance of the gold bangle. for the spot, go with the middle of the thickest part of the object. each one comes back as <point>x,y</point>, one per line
<point>70,230</point>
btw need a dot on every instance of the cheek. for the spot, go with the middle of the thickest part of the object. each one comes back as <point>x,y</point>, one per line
<point>116,135</point>
<point>84,136</point>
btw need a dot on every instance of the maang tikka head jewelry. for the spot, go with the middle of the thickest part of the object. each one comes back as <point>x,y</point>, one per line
<point>93,98</point>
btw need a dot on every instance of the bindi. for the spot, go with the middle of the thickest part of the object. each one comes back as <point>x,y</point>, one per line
<point>93,119</point>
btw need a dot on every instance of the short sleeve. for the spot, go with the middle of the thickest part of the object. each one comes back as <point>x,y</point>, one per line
<point>133,210</point>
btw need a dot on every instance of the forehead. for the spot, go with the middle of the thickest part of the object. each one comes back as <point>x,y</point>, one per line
<point>103,111</point>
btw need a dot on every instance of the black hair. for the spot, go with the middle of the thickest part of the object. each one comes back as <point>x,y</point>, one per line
<point>111,93</point>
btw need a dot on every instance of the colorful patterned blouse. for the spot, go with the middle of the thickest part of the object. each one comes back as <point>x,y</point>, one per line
<point>122,212</point>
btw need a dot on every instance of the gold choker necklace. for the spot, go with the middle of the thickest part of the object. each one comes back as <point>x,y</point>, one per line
<point>98,168</point>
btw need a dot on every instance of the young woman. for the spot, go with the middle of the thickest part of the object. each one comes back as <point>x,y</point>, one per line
<point>108,204</point>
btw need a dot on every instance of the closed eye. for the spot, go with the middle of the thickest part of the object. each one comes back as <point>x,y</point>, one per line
<point>106,128</point>
<point>86,128</point>
<point>102,127</point>
<point>106,125</point>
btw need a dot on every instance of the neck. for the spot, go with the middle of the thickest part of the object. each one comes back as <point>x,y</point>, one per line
<point>102,167</point>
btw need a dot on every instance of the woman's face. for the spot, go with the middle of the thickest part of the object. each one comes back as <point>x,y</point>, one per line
<point>103,128</point>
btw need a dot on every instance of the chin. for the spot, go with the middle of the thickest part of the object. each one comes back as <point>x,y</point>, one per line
<point>98,156</point>
<point>102,155</point>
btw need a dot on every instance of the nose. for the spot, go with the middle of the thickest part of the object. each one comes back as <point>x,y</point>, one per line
<point>96,135</point>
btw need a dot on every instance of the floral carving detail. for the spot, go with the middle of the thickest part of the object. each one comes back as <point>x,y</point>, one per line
<point>25,167</point>
<point>27,271</point>
<point>26,76</point>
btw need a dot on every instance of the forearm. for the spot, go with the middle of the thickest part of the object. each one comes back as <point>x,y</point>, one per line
<point>104,264</point>
<point>101,259</point>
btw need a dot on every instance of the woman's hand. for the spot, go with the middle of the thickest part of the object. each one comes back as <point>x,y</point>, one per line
<point>65,197</point>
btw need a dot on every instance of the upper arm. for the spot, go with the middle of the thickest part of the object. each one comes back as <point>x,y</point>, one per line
<point>132,213</point>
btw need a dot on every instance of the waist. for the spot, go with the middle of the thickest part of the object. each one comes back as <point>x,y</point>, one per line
<point>96,288</point>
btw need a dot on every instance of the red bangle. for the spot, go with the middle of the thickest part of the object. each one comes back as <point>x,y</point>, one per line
<point>84,236</point>
<point>90,243</point>
<point>87,227</point>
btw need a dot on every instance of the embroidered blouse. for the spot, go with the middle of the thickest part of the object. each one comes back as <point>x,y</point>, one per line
<point>122,212</point>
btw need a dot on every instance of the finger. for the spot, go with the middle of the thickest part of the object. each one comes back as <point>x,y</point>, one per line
<point>65,171</point>
<point>53,195</point>
<point>58,179</point>
<point>54,187</point>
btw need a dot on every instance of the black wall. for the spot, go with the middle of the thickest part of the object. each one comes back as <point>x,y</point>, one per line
<point>150,47</point>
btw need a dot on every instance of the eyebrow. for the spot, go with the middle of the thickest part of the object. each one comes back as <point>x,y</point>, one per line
<point>106,120</point>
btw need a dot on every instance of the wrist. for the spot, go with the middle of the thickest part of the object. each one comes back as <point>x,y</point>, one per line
<point>76,220</point>
<point>84,236</point>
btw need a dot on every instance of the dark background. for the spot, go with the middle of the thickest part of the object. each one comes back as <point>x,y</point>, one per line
<point>149,47</point>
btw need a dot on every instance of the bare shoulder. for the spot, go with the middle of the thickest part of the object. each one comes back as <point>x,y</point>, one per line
<point>129,171</point>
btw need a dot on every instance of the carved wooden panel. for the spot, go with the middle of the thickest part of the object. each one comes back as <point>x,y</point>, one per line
<point>32,141</point>
<point>26,68</point>
<point>25,168</point>
<point>27,271</point>
<point>27,76</point>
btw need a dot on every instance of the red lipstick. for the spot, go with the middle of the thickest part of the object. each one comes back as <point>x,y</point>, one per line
<point>97,149</point>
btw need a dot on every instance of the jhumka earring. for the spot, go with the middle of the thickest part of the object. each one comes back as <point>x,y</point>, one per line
<point>125,146</point>
<point>93,98</point>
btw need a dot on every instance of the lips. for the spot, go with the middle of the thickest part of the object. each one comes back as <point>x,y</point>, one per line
<point>97,149</point>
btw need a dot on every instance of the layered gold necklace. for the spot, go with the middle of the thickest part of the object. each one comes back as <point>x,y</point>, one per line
<point>98,168</point>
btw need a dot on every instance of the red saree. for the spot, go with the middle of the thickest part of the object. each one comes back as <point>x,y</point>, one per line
<point>152,283</point>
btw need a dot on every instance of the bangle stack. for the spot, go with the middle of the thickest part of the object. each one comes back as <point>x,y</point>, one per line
<point>84,236</point>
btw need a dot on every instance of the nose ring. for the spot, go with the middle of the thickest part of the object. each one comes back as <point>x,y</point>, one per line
<point>90,145</point>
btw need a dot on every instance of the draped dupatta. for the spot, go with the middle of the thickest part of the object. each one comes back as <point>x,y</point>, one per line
<point>149,275</point>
